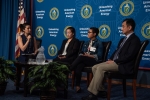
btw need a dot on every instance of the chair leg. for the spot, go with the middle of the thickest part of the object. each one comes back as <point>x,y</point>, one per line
<point>108,89</point>
<point>18,68</point>
<point>73,79</point>
<point>134,88</point>
<point>65,94</point>
<point>87,79</point>
<point>90,78</point>
<point>124,87</point>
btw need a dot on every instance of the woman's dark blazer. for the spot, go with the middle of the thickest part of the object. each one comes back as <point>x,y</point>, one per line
<point>72,49</point>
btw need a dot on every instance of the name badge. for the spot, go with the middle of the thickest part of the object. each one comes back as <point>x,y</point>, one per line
<point>93,49</point>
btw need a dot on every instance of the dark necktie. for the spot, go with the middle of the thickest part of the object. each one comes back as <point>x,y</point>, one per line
<point>118,50</point>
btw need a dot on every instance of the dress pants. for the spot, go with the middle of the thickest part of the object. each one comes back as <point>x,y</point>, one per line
<point>98,75</point>
<point>78,65</point>
<point>65,60</point>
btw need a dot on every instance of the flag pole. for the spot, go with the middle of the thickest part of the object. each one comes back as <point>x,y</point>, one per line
<point>31,14</point>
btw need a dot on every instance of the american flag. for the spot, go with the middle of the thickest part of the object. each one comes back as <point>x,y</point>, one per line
<point>21,20</point>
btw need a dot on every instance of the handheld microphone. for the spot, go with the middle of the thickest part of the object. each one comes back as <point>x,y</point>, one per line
<point>30,44</point>
<point>30,41</point>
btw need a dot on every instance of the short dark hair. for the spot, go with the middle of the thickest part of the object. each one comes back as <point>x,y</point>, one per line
<point>72,30</point>
<point>95,30</point>
<point>130,22</point>
<point>23,26</point>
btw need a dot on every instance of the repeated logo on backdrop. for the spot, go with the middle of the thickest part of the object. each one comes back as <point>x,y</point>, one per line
<point>126,8</point>
<point>51,18</point>
<point>65,31</point>
<point>146,30</point>
<point>52,50</point>
<point>86,11</point>
<point>54,13</point>
<point>40,1</point>
<point>39,31</point>
<point>104,31</point>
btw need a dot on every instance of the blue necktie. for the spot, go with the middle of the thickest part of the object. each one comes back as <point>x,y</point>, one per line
<point>118,50</point>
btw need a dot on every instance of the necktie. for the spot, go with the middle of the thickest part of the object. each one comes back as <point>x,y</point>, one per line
<point>118,50</point>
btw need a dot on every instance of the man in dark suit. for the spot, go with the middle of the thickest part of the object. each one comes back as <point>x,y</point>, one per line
<point>122,59</point>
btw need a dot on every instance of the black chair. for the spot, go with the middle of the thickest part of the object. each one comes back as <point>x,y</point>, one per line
<point>80,48</point>
<point>38,42</point>
<point>88,69</point>
<point>116,75</point>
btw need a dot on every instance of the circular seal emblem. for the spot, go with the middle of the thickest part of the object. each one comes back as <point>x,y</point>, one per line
<point>104,31</point>
<point>86,11</point>
<point>65,31</point>
<point>39,31</point>
<point>126,8</point>
<point>146,30</point>
<point>54,13</point>
<point>52,50</point>
<point>40,1</point>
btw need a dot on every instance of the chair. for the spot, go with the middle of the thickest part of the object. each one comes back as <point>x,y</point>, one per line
<point>88,69</point>
<point>80,48</point>
<point>115,74</point>
<point>38,42</point>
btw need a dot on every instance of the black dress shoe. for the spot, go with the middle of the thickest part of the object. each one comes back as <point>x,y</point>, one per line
<point>78,91</point>
<point>90,97</point>
<point>102,94</point>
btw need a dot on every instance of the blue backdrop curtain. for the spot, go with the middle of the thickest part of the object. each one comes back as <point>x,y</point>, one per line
<point>8,26</point>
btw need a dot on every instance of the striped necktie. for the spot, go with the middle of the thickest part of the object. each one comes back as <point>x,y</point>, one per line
<point>118,50</point>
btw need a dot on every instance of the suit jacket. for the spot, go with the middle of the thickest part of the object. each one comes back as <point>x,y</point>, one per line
<point>127,54</point>
<point>72,49</point>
